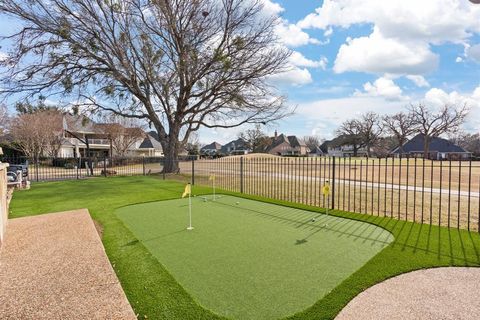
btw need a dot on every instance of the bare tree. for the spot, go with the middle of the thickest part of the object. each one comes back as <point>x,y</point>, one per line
<point>351,134</point>
<point>180,65</point>
<point>468,141</point>
<point>370,129</point>
<point>193,145</point>
<point>38,133</point>
<point>432,124</point>
<point>400,126</point>
<point>312,142</point>
<point>255,139</point>
<point>122,138</point>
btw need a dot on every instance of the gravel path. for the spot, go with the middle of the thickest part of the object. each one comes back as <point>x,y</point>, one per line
<point>54,266</point>
<point>440,293</point>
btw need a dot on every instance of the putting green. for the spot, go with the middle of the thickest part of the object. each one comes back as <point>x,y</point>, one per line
<point>247,259</point>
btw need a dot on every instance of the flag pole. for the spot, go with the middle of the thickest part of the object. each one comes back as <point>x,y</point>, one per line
<point>190,211</point>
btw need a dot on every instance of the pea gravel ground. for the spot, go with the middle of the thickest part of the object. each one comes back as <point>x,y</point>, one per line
<point>54,266</point>
<point>439,293</point>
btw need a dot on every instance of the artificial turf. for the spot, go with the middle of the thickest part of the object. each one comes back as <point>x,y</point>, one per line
<point>247,259</point>
<point>155,294</point>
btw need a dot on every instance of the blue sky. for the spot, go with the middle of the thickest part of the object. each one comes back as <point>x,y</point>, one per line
<point>374,55</point>
<point>353,56</point>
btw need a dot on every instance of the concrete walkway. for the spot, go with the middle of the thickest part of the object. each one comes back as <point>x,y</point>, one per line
<point>440,293</point>
<point>54,266</point>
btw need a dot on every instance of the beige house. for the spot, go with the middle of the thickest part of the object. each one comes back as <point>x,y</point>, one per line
<point>77,128</point>
<point>283,145</point>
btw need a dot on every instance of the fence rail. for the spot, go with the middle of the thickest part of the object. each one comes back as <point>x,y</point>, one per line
<point>445,193</point>
<point>432,192</point>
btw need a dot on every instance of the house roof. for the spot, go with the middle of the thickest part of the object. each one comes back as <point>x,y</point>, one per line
<point>316,150</point>
<point>212,146</point>
<point>238,144</point>
<point>276,141</point>
<point>436,145</point>
<point>80,123</point>
<point>296,142</point>
<point>150,143</point>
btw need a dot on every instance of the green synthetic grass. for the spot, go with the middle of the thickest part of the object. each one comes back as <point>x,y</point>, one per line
<point>155,294</point>
<point>247,259</point>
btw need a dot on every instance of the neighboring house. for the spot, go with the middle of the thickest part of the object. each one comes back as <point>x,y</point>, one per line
<point>338,147</point>
<point>150,147</point>
<point>283,145</point>
<point>211,149</point>
<point>235,147</point>
<point>439,149</point>
<point>76,128</point>
<point>317,152</point>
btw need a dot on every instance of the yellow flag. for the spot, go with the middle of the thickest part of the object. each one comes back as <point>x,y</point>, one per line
<point>188,190</point>
<point>212,177</point>
<point>326,189</point>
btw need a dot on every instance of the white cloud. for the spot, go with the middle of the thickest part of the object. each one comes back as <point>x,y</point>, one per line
<point>377,54</point>
<point>271,8</point>
<point>382,87</point>
<point>299,60</point>
<point>295,77</point>
<point>405,29</point>
<point>419,81</point>
<point>437,98</point>
<point>291,35</point>
<point>328,114</point>
<point>473,52</point>
<point>459,59</point>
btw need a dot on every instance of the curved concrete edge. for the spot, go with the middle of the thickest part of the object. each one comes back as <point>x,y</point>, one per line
<point>54,266</point>
<point>437,293</point>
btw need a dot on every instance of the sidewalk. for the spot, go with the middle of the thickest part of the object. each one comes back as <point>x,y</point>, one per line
<point>54,266</point>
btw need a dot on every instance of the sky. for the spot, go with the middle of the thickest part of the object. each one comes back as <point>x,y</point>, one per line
<point>353,56</point>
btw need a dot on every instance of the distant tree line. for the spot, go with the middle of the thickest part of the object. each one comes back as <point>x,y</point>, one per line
<point>378,135</point>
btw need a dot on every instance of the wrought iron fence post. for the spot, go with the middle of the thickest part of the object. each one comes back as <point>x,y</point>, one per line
<point>241,174</point>
<point>36,169</point>
<point>105,166</point>
<point>79,163</point>
<point>143,164</point>
<point>333,182</point>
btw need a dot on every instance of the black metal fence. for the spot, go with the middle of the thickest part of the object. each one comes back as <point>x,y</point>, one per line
<point>443,193</point>
<point>51,169</point>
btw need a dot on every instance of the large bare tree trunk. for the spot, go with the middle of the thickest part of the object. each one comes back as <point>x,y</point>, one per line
<point>426,147</point>
<point>170,152</point>
<point>171,148</point>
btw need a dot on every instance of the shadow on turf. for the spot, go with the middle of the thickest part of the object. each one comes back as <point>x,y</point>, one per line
<point>337,225</point>
<point>134,242</point>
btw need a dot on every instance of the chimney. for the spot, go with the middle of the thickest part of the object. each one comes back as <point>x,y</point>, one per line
<point>276,134</point>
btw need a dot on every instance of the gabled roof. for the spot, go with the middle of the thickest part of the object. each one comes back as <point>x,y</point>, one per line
<point>296,142</point>
<point>80,123</point>
<point>436,145</point>
<point>317,150</point>
<point>212,146</point>
<point>278,141</point>
<point>150,143</point>
<point>238,144</point>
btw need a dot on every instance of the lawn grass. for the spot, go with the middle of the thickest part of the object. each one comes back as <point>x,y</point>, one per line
<point>248,259</point>
<point>155,294</point>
